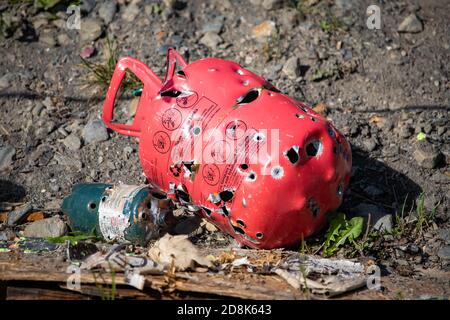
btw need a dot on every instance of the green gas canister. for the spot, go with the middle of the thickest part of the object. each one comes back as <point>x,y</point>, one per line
<point>123,213</point>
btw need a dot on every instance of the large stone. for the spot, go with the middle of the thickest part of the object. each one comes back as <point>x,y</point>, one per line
<point>131,12</point>
<point>91,29</point>
<point>47,228</point>
<point>411,24</point>
<point>95,131</point>
<point>72,142</point>
<point>444,253</point>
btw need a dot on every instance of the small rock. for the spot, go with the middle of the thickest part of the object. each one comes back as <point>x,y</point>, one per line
<point>272,4</point>
<point>87,6</point>
<point>264,30</point>
<point>292,68</point>
<point>47,39</point>
<point>87,52</point>
<point>5,81</point>
<point>72,142</point>
<point>215,26</point>
<point>63,39</point>
<point>17,215</point>
<point>211,40</point>
<point>210,227</point>
<point>427,155</point>
<point>37,110</point>
<point>7,235</point>
<point>131,12</point>
<point>370,144</point>
<point>107,11</point>
<point>406,131</point>
<point>444,234</point>
<point>384,223</point>
<point>7,154</point>
<point>47,228</point>
<point>95,131</point>
<point>444,253</point>
<point>91,29</point>
<point>411,24</point>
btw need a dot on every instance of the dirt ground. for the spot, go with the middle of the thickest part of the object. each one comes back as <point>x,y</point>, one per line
<point>384,89</point>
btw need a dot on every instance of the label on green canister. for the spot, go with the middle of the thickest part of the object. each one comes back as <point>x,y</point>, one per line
<point>113,218</point>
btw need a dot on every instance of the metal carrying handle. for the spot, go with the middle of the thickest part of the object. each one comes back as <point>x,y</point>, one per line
<point>151,82</point>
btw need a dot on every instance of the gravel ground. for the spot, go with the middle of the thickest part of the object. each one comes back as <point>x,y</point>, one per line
<point>384,89</point>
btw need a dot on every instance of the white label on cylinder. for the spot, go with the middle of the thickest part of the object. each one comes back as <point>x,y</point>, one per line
<point>113,220</point>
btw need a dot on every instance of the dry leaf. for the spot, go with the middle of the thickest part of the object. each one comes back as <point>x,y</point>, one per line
<point>179,250</point>
<point>321,109</point>
<point>35,216</point>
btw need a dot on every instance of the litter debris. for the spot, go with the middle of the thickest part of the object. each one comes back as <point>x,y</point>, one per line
<point>179,251</point>
<point>19,214</point>
<point>207,150</point>
<point>123,212</point>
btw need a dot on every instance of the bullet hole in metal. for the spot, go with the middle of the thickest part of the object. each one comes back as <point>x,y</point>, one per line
<point>313,119</point>
<point>196,130</point>
<point>170,93</point>
<point>226,195</point>
<point>259,137</point>
<point>181,73</point>
<point>314,148</point>
<point>207,211</point>
<point>214,198</point>
<point>259,235</point>
<point>248,97</point>
<point>149,205</point>
<point>245,83</point>
<point>159,195</point>
<point>92,205</point>
<point>238,230</point>
<point>293,155</point>
<point>183,195</point>
<point>224,210</point>
<point>277,172</point>
<point>144,215</point>
<point>241,223</point>
<point>314,207</point>
<point>244,166</point>
<point>103,199</point>
<point>330,132</point>
<point>244,203</point>
<point>340,190</point>
<point>305,110</point>
<point>251,176</point>
<point>300,116</point>
<point>240,72</point>
<point>268,86</point>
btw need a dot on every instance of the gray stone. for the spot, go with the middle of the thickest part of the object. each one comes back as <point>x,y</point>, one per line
<point>107,11</point>
<point>63,39</point>
<point>427,155</point>
<point>444,234</point>
<point>91,29</point>
<point>7,235</point>
<point>376,213</point>
<point>47,39</point>
<point>292,68</point>
<point>87,6</point>
<point>68,161</point>
<point>5,80</point>
<point>37,110</point>
<point>444,253</point>
<point>17,215</point>
<point>411,24</point>
<point>95,131</point>
<point>384,223</point>
<point>211,40</point>
<point>131,12</point>
<point>215,26</point>
<point>7,154</point>
<point>370,144</point>
<point>406,131</point>
<point>47,228</point>
<point>272,4</point>
<point>72,142</point>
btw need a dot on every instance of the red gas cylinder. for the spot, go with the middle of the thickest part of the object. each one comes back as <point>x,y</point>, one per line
<point>220,139</point>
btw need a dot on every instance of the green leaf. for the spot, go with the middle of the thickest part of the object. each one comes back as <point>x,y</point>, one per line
<point>340,231</point>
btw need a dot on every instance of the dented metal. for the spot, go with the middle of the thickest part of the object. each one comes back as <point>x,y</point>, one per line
<point>224,142</point>
<point>122,212</point>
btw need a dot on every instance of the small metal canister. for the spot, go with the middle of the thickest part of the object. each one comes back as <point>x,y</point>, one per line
<point>119,212</point>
